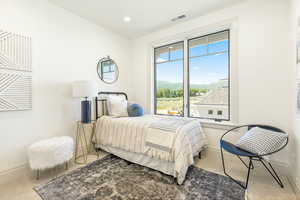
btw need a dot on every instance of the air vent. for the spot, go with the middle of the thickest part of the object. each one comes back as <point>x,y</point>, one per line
<point>178,18</point>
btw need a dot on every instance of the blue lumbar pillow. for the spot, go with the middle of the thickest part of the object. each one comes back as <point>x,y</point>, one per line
<point>135,110</point>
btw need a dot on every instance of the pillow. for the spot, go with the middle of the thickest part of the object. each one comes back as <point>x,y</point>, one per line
<point>135,110</point>
<point>261,141</point>
<point>112,98</point>
<point>117,106</point>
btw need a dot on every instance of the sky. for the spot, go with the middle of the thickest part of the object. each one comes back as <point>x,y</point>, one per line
<point>202,70</point>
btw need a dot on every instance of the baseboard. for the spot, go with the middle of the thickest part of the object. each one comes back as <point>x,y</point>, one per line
<point>17,171</point>
<point>295,183</point>
<point>282,167</point>
<point>21,170</point>
<point>14,169</point>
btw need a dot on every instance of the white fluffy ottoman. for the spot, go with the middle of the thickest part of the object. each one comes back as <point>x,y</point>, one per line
<point>50,153</point>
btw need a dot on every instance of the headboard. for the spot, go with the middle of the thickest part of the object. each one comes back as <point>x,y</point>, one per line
<point>102,100</point>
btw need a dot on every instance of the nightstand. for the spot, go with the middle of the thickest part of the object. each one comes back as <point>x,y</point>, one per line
<point>84,136</point>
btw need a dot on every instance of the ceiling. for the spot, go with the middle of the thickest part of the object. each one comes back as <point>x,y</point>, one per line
<point>146,15</point>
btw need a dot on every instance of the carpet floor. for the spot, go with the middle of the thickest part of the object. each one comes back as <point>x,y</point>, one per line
<point>112,178</point>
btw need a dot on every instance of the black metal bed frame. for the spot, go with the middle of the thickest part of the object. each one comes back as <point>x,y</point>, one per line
<point>254,157</point>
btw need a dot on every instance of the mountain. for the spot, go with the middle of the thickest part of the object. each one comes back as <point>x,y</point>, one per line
<point>169,85</point>
<point>175,86</point>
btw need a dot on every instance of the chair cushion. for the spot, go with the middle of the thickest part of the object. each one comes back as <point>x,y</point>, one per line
<point>261,141</point>
<point>231,148</point>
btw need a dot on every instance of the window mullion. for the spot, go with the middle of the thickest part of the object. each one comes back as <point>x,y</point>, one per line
<point>185,79</point>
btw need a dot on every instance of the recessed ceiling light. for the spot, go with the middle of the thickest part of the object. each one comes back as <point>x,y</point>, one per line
<point>126,19</point>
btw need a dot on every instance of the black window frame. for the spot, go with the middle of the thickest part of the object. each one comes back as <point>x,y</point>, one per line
<point>155,78</point>
<point>187,76</point>
<point>229,78</point>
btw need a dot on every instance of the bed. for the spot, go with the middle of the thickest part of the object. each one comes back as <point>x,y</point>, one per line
<point>164,143</point>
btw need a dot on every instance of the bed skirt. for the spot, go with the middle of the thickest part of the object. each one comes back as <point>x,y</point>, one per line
<point>165,167</point>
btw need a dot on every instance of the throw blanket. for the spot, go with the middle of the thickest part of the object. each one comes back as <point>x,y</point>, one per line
<point>162,133</point>
<point>131,134</point>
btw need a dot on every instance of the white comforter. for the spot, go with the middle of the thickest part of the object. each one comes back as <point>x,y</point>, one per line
<point>130,134</point>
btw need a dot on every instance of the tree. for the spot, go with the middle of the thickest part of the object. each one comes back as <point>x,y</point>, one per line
<point>174,93</point>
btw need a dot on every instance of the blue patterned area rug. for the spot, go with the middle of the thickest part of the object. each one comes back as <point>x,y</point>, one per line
<point>112,178</point>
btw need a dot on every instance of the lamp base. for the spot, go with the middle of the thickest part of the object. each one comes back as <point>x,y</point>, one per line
<point>86,110</point>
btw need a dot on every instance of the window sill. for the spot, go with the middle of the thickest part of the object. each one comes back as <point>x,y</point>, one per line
<point>217,125</point>
<point>224,125</point>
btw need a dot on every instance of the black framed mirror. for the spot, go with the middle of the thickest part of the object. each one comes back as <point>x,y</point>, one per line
<point>107,70</point>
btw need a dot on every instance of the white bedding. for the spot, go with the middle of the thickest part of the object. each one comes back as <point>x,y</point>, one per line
<point>130,134</point>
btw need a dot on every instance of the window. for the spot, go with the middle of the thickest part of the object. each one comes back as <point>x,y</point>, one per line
<point>169,79</point>
<point>207,94</point>
<point>209,76</point>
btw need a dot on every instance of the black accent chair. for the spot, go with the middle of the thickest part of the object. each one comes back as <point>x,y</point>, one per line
<point>231,148</point>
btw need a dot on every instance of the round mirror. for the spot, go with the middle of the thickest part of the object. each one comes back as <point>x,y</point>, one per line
<point>107,70</point>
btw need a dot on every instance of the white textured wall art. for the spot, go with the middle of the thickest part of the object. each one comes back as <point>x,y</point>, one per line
<point>15,91</point>
<point>15,72</point>
<point>15,51</point>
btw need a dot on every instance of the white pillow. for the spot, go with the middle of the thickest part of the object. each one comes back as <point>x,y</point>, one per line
<point>117,106</point>
<point>261,141</point>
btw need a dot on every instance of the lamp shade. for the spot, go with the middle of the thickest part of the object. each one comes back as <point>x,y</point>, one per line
<point>84,89</point>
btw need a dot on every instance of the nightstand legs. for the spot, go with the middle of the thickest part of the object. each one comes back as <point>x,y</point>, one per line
<point>91,141</point>
<point>83,144</point>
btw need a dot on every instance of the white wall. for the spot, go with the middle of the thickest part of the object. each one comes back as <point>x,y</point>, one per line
<point>263,63</point>
<point>295,141</point>
<point>65,48</point>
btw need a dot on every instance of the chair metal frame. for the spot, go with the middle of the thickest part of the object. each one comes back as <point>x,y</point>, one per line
<point>253,157</point>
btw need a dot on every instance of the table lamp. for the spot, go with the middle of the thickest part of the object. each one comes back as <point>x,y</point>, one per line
<point>85,89</point>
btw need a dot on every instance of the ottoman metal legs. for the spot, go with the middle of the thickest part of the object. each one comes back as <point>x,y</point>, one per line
<point>38,172</point>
